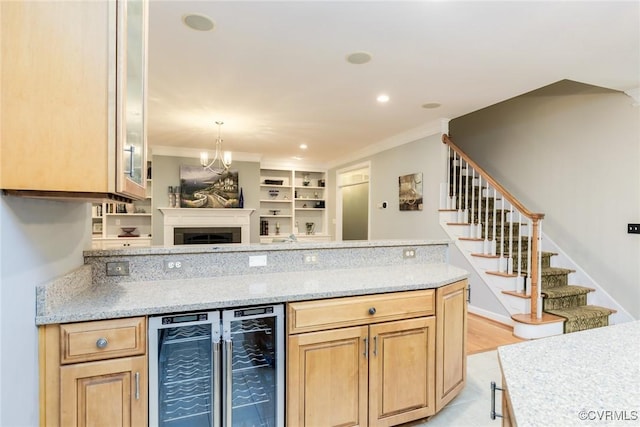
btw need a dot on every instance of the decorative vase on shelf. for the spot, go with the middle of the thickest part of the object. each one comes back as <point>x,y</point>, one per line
<point>241,199</point>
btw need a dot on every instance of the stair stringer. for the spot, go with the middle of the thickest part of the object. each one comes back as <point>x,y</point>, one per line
<point>600,297</point>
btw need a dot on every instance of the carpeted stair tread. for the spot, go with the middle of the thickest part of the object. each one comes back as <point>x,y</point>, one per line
<point>565,291</point>
<point>584,317</point>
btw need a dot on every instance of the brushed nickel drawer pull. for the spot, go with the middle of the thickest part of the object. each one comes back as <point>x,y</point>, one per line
<point>102,343</point>
<point>137,392</point>
<point>372,311</point>
<point>366,347</point>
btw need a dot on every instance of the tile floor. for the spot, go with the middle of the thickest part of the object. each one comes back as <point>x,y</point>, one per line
<point>472,407</point>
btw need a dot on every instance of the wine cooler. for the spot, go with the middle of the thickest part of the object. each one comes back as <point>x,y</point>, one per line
<point>217,368</point>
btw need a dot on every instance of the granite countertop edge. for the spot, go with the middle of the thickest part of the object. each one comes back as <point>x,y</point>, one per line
<point>262,247</point>
<point>575,377</point>
<point>99,302</point>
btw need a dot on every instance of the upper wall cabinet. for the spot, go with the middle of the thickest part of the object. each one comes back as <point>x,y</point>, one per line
<point>73,99</point>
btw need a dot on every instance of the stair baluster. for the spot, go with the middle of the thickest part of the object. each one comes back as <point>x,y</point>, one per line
<point>479,226</point>
<point>465,210</point>
<point>448,201</point>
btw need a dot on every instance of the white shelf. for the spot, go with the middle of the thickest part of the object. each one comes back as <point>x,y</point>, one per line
<point>290,208</point>
<point>107,227</point>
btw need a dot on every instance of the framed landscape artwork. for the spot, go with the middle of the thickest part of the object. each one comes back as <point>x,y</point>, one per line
<point>410,192</point>
<point>203,188</point>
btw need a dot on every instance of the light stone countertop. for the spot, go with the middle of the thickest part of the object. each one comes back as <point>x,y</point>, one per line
<point>584,378</point>
<point>105,301</point>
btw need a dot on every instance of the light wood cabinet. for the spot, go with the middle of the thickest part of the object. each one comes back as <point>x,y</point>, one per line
<point>94,373</point>
<point>73,99</point>
<point>104,393</point>
<point>327,378</point>
<point>451,342</point>
<point>401,371</point>
<point>379,373</point>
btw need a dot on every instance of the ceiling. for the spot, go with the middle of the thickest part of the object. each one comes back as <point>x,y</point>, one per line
<point>276,72</point>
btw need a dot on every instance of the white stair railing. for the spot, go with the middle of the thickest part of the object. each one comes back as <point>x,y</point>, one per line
<point>527,251</point>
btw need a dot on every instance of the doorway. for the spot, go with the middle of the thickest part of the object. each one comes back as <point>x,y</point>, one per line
<point>353,202</point>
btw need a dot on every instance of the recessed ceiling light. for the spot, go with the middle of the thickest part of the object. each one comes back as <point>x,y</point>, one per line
<point>358,58</point>
<point>198,22</point>
<point>431,105</point>
<point>382,98</point>
<point>303,146</point>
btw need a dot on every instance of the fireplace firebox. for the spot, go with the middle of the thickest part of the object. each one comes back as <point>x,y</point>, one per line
<point>206,235</point>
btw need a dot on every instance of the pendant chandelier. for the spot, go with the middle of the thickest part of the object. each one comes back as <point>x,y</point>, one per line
<point>222,159</point>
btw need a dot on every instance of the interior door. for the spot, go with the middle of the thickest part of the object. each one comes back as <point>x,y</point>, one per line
<point>355,212</point>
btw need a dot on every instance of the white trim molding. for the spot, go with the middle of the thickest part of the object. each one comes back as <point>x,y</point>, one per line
<point>205,217</point>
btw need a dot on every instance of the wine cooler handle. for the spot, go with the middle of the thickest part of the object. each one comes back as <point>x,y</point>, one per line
<point>229,385</point>
<point>137,393</point>
<point>216,384</point>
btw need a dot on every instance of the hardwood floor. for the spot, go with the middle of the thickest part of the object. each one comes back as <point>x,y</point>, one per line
<point>485,334</point>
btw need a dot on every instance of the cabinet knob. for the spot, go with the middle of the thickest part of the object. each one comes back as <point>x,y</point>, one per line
<point>372,310</point>
<point>102,343</point>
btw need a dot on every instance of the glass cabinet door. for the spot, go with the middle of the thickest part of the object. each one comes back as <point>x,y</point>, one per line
<point>131,94</point>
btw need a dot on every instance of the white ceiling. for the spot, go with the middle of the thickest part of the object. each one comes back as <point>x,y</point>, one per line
<point>276,73</point>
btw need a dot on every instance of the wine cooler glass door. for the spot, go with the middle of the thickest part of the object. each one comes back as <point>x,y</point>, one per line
<point>184,389</point>
<point>253,353</point>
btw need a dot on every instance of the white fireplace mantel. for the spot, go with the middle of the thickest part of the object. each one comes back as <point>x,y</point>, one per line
<point>205,217</point>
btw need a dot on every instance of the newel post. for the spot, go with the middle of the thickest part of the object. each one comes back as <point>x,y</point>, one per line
<point>533,264</point>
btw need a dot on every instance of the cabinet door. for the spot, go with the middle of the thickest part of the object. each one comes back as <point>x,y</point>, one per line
<point>327,378</point>
<point>131,94</point>
<point>109,393</point>
<point>401,371</point>
<point>451,345</point>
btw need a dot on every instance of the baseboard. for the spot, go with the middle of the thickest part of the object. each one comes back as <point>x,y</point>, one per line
<point>505,320</point>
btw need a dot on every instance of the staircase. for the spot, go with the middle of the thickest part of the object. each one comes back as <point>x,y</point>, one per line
<point>503,242</point>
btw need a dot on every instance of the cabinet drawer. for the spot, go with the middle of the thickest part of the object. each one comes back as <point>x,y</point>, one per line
<point>350,311</point>
<point>104,339</point>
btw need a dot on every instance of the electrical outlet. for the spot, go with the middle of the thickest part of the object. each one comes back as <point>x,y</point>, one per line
<point>408,253</point>
<point>172,265</point>
<point>258,261</point>
<point>311,259</point>
<point>633,229</point>
<point>120,268</point>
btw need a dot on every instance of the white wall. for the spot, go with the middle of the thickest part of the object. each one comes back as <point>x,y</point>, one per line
<point>39,241</point>
<point>571,151</point>
<point>423,155</point>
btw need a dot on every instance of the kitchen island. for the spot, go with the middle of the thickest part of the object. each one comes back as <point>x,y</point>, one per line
<point>584,378</point>
<point>384,321</point>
